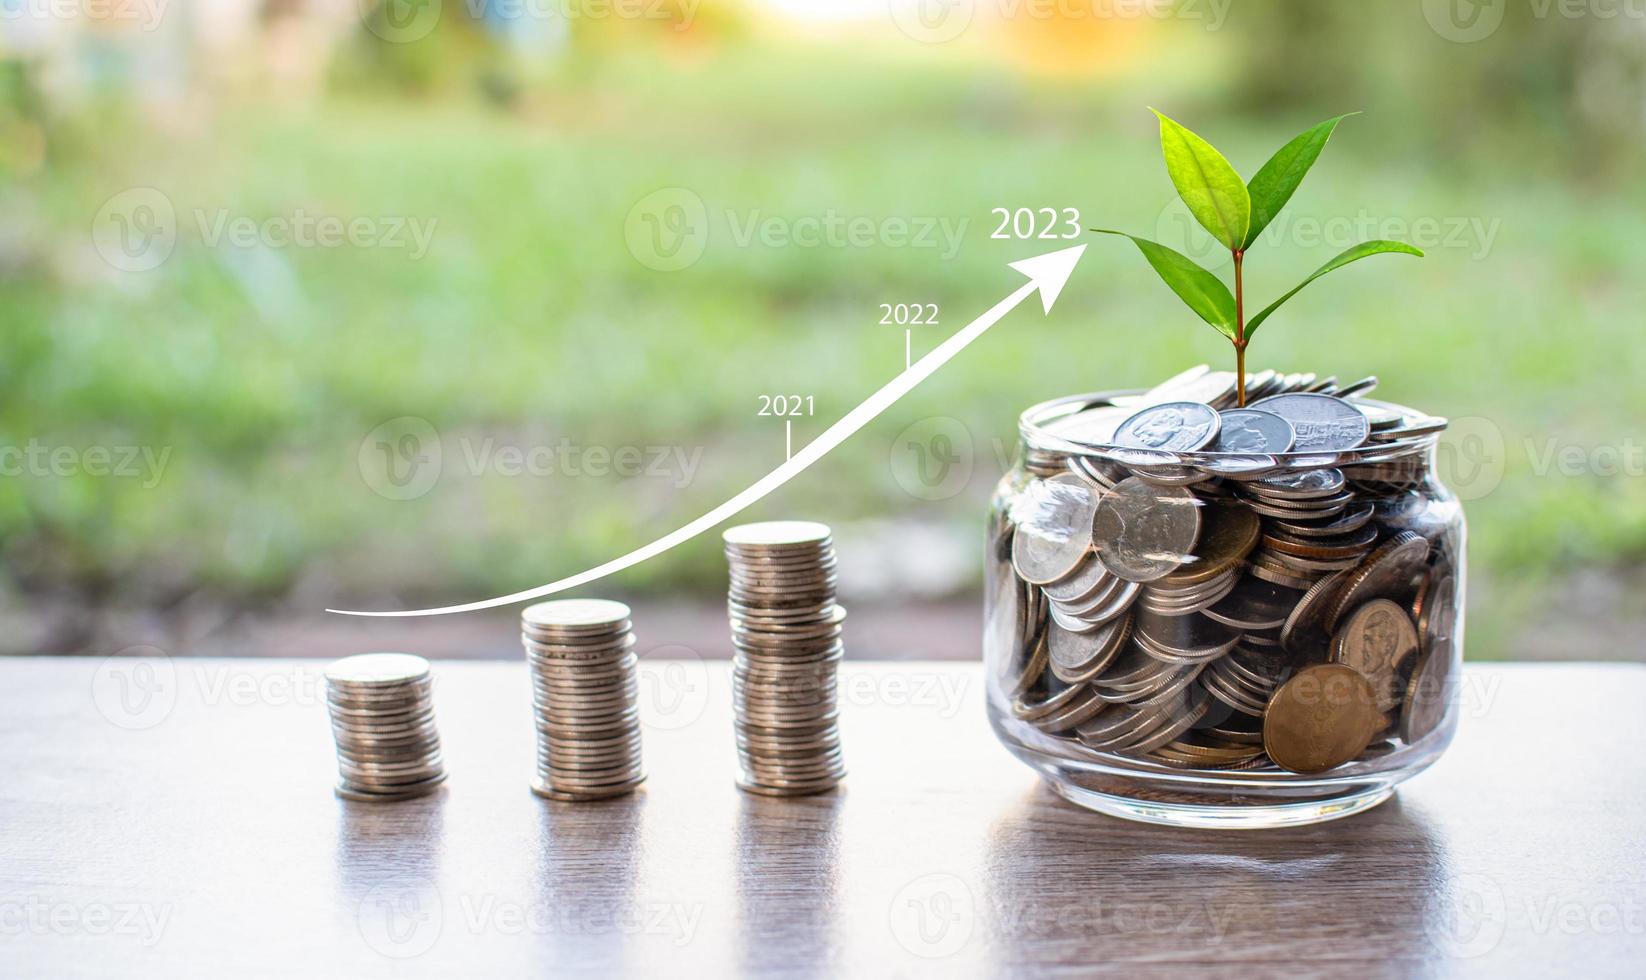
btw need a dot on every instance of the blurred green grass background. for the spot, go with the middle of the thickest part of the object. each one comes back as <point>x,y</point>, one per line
<point>530,321</point>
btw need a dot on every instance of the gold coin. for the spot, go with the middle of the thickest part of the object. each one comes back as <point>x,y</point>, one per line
<point>1321,718</point>
<point>1379,640</point>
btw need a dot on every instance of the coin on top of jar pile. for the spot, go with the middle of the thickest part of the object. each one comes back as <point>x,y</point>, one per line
<point>1176,427</point>
<point>1322,423</point>
<point>1379,640</point>
<point>1145,532</point>
<point>1094,425</point>
<point>1054,528</point>
<point>1197,384</point>
<point>1324,716</point>
<point>1251,430</point>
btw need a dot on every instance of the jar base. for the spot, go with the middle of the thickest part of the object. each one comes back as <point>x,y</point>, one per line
<point>1262,817</point>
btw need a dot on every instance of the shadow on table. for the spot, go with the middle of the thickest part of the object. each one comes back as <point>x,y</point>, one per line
<point>1077,886</point>
<point>588,858</point>
<point>388,870</point>
<point>795,842</point>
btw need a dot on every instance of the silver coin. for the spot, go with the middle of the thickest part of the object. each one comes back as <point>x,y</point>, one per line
<point>1078,657</point>
<point>1083,583</point>
<point>1054,528</point>
<point>787,535</point>
<point>376,670</point>
<point>1302,487</point>
<point>1323,423</point>
<point>1094,426</point>
<point>1251,430</point>
<point>1143,532</point>
<point>1178,427</point>
<point>574,614</point>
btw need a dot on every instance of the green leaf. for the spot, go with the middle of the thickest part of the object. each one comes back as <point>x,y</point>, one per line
<point>1274,185</point>
<point>1214,192</point>
<point>1202,291</point>
<point>1354,254</point>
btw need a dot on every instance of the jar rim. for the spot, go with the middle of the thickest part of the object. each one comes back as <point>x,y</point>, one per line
<point>1032,430</point>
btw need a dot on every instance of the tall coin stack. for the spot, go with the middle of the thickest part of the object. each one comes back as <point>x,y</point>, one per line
<point>584,695</point>
<point>382,719</point>
<point>786,628</point>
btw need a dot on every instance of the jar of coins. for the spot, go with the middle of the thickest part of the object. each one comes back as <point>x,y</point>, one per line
<point>1212,616</point>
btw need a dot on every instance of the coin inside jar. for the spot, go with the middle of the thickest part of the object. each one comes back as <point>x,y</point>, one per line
<point>1427,694</point>
<point>1388,571</point>
<point>1054,532</point>
<point>1378,640</point>
<point>1324,716</point>
<point>1228,534</point>
<point>1144,532</point>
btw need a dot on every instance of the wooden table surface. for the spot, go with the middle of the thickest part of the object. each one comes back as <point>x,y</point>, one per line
<point>176,819</point>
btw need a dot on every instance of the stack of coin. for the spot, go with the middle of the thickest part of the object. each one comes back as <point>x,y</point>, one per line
<point>584,694</point>
<point>382,719</point>
<point>786,628</point>
<point>1167,593</point>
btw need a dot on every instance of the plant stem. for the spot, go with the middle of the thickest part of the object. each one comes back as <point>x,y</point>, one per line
<point>1240,327</point>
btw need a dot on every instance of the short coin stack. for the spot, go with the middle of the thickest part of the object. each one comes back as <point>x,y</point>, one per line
<point>584,695</point>
<point>382,719</point>
<point>786,627</point>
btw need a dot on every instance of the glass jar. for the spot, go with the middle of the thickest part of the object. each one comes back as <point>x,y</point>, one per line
<point>1223,637</point>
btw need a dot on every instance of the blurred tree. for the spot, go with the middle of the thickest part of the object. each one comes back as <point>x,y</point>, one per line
<point>1540,82</point>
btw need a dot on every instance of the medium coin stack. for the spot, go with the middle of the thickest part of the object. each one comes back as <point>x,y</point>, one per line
<point>786,628</point>
<point>584,696</point>
<point>1195,593</point>
<point>382,719</point>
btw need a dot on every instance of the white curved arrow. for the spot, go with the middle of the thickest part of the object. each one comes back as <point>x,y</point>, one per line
<point>1048,274</point>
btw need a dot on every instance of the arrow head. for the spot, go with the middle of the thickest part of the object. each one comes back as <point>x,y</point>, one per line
<point>1050,272</point>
